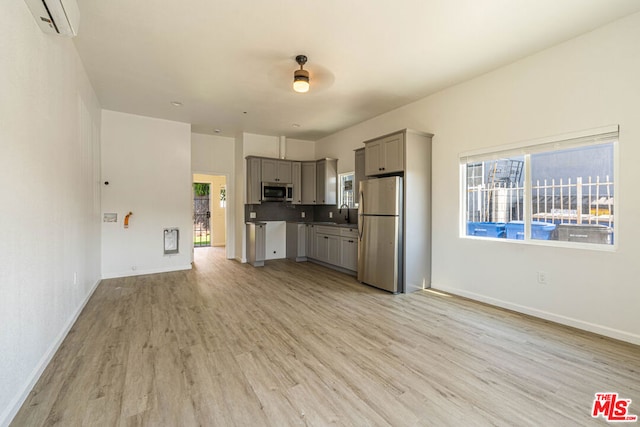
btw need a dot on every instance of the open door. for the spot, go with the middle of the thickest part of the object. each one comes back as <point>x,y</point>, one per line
<point>209,210</point>
<point>201,214</point>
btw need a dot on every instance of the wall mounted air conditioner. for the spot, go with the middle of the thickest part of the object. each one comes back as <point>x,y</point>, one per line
<point>56,16</point>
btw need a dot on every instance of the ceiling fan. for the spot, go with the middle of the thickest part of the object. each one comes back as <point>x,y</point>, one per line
<point>310,76</point>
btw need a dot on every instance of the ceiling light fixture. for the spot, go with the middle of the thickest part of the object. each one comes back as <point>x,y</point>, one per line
<point>176,103</point>
<point>301,77</point>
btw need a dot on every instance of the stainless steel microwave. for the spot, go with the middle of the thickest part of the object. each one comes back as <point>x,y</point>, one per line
<point>277,192</point>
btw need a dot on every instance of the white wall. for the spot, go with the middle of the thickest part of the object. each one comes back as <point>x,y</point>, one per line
<point>585,83</point>
<point>147,163</point>
<point>299,149</point>
<point>49,174</point>
<point>240,172</point>
<point>214,155</point>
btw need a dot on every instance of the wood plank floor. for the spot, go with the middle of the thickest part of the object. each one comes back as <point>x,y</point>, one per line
<point>297,344</point>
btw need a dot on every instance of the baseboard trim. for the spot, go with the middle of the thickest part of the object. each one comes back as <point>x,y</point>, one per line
<point>149,271</point>
<point>12,409</point>
<point>557,318</point>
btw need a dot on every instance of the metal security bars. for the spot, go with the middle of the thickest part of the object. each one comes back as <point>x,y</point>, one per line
<point>549,189</point>
<point>572,201</point>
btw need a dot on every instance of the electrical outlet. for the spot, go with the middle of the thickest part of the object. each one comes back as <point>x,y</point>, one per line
<point>75,278</point>
<point>302,214</point>
<point>542,277</point>
<point>252,214</point>
<point>330,214</point>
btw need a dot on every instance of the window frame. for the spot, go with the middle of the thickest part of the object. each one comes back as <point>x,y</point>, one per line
<point>591,137</point>
<point>340,190</point>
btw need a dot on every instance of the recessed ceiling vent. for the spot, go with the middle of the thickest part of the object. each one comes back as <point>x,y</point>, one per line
<point>56,16</point>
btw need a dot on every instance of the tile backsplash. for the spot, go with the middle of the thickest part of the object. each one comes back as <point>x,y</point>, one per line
<point>278,211</point>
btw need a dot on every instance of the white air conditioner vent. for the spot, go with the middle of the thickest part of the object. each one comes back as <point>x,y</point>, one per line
<point>56,16</point>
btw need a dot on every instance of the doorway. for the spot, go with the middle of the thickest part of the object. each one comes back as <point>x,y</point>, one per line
<point>209,210</point>
<point>201,214</point>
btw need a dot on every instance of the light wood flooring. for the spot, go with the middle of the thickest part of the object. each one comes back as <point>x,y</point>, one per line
<point>297,344</point>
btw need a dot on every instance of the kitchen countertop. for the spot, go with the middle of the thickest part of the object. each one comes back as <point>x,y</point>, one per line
<point>326,223</point>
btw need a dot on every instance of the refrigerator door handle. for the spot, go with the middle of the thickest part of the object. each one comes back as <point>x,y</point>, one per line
<point>361,219</point>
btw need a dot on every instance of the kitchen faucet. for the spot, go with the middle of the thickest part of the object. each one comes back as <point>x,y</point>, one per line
<point>346,217</point>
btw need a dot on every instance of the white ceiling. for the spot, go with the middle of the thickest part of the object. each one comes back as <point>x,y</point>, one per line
<point>231,63</point>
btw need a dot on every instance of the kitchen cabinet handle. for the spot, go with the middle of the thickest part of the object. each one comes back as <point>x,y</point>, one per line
<point>325,237</point>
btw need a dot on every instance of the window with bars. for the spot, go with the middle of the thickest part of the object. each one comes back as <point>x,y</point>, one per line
<point>556,190</point>
<point>346,192</point>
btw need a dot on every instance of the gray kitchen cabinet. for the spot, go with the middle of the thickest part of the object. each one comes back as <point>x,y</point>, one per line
<point>274,170</point>
<point>310,243</point>
<point>328,248</point>
<point>349,253</point>
<point>384,155</point>
<point>256,243</point>
<point>296,180</point>
<point>254,184</point>
<point>333,246</point>
<point>322,247</point>
<point>359,174</point>
<point>326,181</point>
<point>297,241</point>
<point>333,250</point>
<point>329,244</point>
<point>349,248</point>
<point>308,173</point>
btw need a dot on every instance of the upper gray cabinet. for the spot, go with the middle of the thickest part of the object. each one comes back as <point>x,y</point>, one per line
<point>314,182</point>
<point>308,183</point>
<point>326,182</point>
<point>384,155</point>
<point>254,188</point>
<point>296,180</point>
<point>274,170</point>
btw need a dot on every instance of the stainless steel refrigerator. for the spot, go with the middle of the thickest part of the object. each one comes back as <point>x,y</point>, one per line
<point>380,232</point>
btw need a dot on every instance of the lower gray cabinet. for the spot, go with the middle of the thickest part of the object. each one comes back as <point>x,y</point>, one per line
<point>297,241</point>
<point>322,247</point>
<point>256,243</point>
<point>328,248</point>
<point>310,244</point>
<point>337,246</point>
<point>348,253</point>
